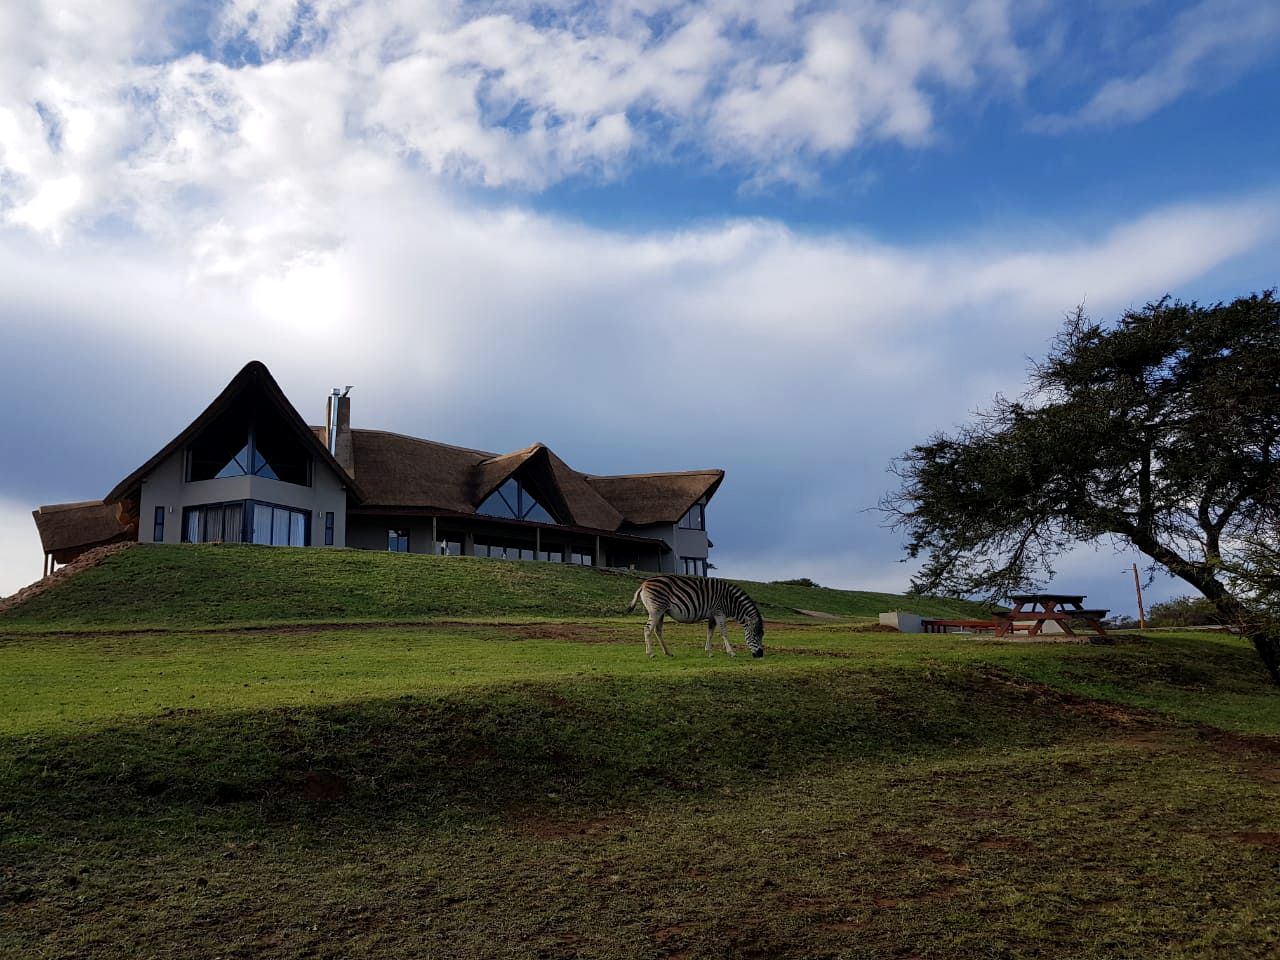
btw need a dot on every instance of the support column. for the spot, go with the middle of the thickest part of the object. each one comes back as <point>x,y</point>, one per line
<point>435,540</point>
<point>537,543</point>
<point>468,544</point>
<point>598,559</point>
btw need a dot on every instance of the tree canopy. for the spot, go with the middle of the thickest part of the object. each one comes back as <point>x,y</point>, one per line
<point>1158,431</point>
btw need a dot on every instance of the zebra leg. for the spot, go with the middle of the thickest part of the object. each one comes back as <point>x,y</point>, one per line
<point>711,632</point>
<point>724,632</point>
<point>663,642</point>
<point>648,638</point>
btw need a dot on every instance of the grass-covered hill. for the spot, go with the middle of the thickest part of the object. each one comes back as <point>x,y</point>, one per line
<point>152,585</point>
<point>470,759</point>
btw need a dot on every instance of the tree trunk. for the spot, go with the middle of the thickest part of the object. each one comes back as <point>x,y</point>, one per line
<point>1200,576</point>
<point>1268,646</point>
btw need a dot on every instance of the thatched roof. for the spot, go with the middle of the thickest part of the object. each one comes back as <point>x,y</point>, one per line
<point>396,470</point>
<point>69,529</point>
<point>400,471</point>
<point>646,498</point>
<point>256,377</point>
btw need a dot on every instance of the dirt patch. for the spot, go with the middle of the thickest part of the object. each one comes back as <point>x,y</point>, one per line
<point>322,785</point>
<point>947,861</point>
<point>944,892</point>
<point>551,828</point>
<point>845,926</point>
<point>1048,698</point>
<point>572,632</point>
<point>814,652</point>
<point>675,931</point>
<point>816,614</point>
<point>1153,740</point>
<point>1243,744</point>
<point>1258,838</point>
<point>1012,844</point>
<point>86,560</point>
<point>1256,757</point>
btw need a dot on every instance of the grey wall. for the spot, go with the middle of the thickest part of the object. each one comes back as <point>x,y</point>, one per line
<point>370,533</point>
<point>683,543</point>
<point>165,487</point>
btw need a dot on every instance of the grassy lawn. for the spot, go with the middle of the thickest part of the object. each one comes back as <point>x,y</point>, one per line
<point>479,787</point>
<point>219,584</point>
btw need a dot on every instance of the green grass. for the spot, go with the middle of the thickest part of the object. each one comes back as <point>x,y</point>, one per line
<point>476,787</point>
<point>190,585</point>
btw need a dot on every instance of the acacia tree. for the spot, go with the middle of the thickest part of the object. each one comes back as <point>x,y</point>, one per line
<point>1160,431</point>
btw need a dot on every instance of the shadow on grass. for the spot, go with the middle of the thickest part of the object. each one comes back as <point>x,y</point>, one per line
<point>596,744</point>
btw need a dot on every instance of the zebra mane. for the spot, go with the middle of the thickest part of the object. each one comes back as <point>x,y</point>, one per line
<point>751,606</point>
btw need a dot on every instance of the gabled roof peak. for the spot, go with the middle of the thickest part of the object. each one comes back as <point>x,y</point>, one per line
<point>253,374</point>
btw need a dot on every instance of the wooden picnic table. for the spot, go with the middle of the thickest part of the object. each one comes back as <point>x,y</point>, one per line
<point>1031,611</point>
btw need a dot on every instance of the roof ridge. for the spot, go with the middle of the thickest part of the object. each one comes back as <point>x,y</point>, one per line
<point>435,443</point>
<point>528,451</point>
<point>668,473</point>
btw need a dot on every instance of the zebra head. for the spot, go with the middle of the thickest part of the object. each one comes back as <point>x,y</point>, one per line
<point>754,632</point>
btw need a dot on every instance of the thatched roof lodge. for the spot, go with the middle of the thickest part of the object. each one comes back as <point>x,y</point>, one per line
<point>250,469</point>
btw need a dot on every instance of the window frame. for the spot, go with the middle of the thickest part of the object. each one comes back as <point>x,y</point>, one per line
<point>248,509</point>
<point>525,504</point>
<point>329,522</point>
<point>397,535</point>
<point>157,525</point>
<point>700,508</point>
<point>256,461</point>
<point>699,566</point>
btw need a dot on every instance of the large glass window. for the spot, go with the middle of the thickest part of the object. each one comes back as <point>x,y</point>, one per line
<point>213,523</point>
<point>552,556</point>
<point>248,441</point>
<point>157,528</point>
<point>582,559</point>
<point>695,519</point>
<point>513,501</point>
<point>261,523</point>
<point>328,528</point>
<point>246,521</point>
<point>695,566</point>
<point>502,551</point>
<point>398,540</point>
<point>449,547</point>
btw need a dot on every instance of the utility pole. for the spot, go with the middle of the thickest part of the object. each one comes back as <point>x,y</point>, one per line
<point>1137,586</point>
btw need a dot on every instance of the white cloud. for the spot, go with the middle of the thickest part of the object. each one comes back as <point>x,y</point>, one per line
<point>1203,46</point>
<point>116,109</point>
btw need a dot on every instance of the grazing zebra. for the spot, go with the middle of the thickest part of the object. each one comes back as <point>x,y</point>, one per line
<point>690,599</point>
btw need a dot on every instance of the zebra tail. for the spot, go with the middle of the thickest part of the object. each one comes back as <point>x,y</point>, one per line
<point>635,599</point>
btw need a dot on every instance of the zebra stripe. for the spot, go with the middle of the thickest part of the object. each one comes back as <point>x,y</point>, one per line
<point>690,599</point>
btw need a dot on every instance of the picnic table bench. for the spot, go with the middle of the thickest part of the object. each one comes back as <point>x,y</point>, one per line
<point>1032,611</point>
<point>946,626</point>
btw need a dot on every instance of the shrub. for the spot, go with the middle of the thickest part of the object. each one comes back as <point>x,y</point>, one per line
<point>1184,612</point>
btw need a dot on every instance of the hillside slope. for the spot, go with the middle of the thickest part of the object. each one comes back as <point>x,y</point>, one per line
<point>194,585</point>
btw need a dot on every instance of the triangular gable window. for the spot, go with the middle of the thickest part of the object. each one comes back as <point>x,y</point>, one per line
<point>249,441</point>
<point>512,501</point>
<point>237,466</point>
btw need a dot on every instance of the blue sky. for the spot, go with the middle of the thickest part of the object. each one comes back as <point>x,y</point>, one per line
<point>789,240</point>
